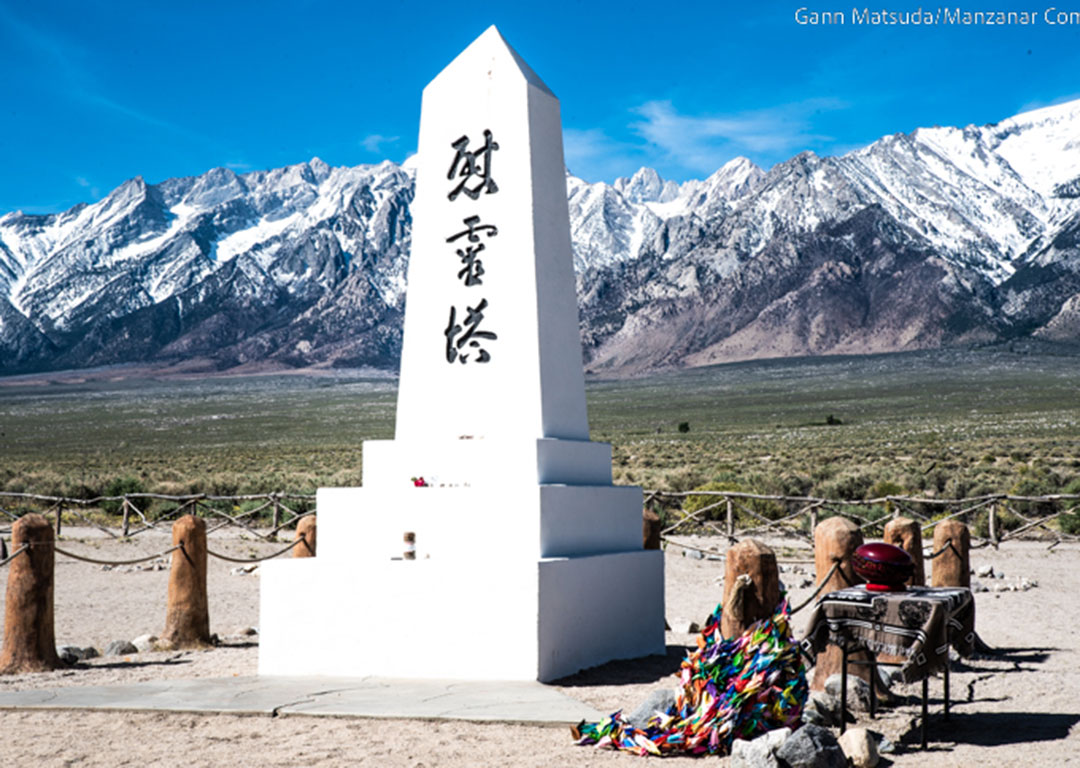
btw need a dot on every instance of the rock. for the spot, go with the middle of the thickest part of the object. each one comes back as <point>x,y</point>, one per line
<point>246,631</point>
<point>825,708</point>
<point>760,752</point>
<point>858,692</point>
<point>806,582</point>
<point>658,701</point>
<point>243,570</point>
<point>985,571</point>
<point>694,554</point>
<point>885,747</point>
<point>68,654</point>
<point>144,643</point>
<point>120,648</point>
<point>812,747</point>
<point>859,747</point>
<point>72,654</point>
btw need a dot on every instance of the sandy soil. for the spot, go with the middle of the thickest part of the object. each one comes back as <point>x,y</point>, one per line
<point>1018,707</point>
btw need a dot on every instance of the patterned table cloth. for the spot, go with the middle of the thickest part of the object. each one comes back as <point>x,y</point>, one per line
<point>918,624</point>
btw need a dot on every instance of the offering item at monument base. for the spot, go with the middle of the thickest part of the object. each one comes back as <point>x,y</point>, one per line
<point>885,567</point>
<point>732,688</point>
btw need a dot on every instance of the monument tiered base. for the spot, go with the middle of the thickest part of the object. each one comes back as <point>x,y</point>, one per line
<point>507,584</point>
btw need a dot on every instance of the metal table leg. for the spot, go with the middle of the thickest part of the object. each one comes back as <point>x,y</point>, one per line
<point>873,685</point>
<point>946,689</point>
<point>925,693</point>
<point>843,688</point>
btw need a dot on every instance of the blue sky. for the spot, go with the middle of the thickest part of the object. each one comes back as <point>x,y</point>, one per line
<point>93,93</point>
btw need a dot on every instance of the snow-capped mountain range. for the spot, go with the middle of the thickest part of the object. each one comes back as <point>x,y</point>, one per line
<point>941,236</point>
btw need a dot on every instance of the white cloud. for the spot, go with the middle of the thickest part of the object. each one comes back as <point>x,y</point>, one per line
<point>594,156</point>
<point>374,142</point>
<point>702,143</point>
<point>86,184</point>
<point>681,146</point>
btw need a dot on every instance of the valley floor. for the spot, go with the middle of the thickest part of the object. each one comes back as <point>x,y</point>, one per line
<point>1015,708</point>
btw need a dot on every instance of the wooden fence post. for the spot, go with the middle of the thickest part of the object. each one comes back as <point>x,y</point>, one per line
<point>305,534</point>
<point>835,541</point>
<point>277,511</point>
<point>187,618</point>
<point>125,507</point>
<point>992,525</point>
<point>59,514</point>
<point>29,637</point>
<point>952,567</point>
<point>730,518</point>
<point>905,533</point>
<point>751,586</point>
<point>650,529</point>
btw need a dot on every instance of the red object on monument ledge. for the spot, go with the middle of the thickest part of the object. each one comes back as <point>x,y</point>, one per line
<point>884,566</point>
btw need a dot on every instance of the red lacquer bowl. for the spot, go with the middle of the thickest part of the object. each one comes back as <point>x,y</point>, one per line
<point>884,567</point>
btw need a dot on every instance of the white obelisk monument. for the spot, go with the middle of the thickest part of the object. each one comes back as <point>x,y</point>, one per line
<point>528,561</point>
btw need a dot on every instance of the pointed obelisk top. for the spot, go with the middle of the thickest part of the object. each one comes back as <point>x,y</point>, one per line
<point>491,343</point>
<point>485,50</point>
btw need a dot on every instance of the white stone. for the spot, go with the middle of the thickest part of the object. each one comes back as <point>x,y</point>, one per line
<point>144,643</point>
<point>520,518</point>
<point>859,748</point>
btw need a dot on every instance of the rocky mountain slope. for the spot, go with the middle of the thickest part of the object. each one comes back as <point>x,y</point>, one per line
<point>942,236</point>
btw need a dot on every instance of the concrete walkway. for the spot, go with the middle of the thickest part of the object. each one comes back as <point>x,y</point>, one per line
<point>484,701</point>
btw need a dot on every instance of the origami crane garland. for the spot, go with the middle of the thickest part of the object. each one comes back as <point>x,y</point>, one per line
<point>731,689</point>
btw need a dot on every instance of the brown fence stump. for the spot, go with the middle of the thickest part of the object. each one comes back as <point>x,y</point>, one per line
<point>187,618</point>
<point>751,586</point>
<point>905,533</point>
<point>952,568</point>
<point>29,636</point>
<point>650,529</point>
<point>835,540</point>
<point>305,534</point>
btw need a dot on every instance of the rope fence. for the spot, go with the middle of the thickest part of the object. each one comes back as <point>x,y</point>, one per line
<point>731,514</point>
<point>136,517</point>
<point>994,518</point>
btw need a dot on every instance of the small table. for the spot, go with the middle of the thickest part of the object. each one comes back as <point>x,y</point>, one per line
<point>918,624</point>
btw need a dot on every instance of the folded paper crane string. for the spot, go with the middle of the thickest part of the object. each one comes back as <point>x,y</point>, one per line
<point>732,689</point>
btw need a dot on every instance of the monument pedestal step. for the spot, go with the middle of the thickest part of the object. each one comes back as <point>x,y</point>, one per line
<point>483,462</point>
<point>470,618</point>
<point>531,522</point>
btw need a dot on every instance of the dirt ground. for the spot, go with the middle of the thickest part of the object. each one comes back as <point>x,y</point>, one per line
<point>1016,707</point>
